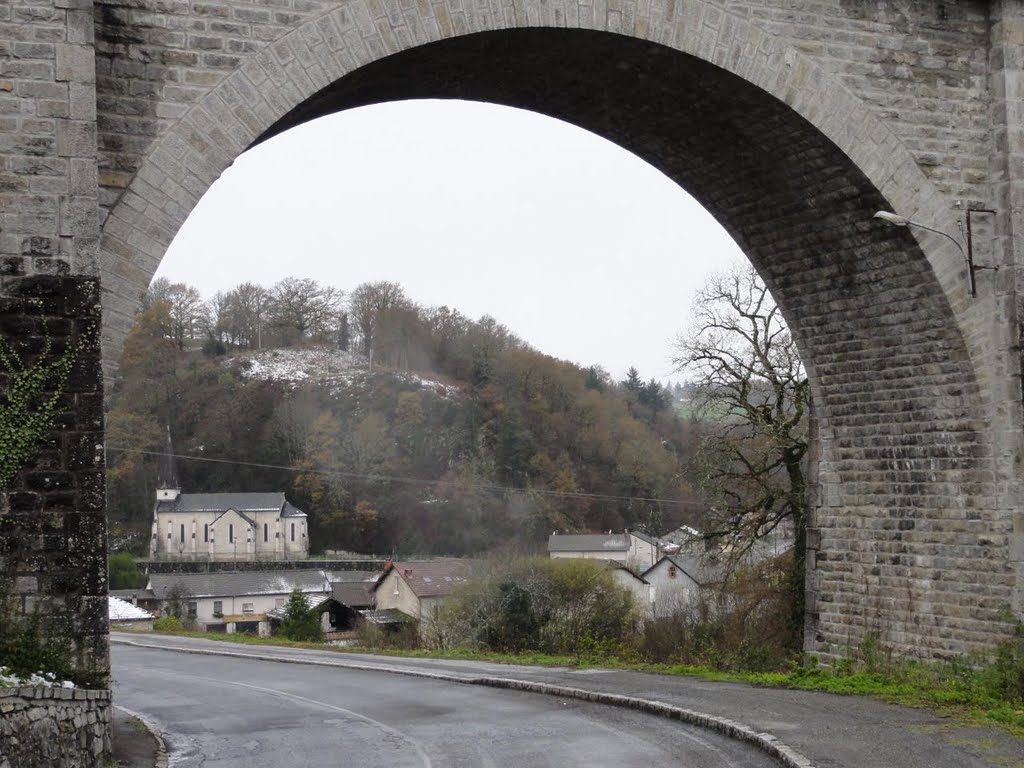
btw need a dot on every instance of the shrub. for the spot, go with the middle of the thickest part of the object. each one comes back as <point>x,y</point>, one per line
<point>540,604</point>
<point>124,574</point>
<point>299,622</point>
<point>405,637</point>
<point>168,624</point>
<point>739,628</point>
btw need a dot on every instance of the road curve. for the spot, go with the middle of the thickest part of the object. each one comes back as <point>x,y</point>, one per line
<point>218,712</point>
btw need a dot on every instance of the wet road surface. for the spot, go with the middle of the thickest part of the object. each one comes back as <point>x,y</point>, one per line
<point>240,713</point>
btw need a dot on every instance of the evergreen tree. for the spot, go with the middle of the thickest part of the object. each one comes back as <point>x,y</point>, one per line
<point>299,622</point>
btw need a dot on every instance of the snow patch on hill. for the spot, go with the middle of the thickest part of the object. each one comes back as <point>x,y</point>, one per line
<point>330,367</point>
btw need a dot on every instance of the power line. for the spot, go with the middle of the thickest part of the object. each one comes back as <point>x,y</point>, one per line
<point>409,480</point>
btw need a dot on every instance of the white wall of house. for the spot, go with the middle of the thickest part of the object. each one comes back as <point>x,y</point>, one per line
<point>233,605</point>
<point>672,588</point>
<point>642,554</point>
<point>394,592</point>
<point>641,592</point>
<point>594,554</point>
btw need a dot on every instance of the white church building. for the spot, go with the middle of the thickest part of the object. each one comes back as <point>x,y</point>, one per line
<point>224,526</point>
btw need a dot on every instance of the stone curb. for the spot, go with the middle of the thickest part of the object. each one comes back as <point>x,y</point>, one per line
<point>161,746</point>
<point>765,742</point>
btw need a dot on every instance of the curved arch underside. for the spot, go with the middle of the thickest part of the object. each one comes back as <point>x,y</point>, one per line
<point>903,471</point>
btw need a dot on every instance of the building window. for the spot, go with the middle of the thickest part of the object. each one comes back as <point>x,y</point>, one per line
<point>206,532</point>
<point>266,533</point>
<point>193,610</point>
<point>182,531</point>
<point>247,608</point>
<point>279,602</point>
<point>293,531</point>
<point>218,608</point>
<point>231,533</point>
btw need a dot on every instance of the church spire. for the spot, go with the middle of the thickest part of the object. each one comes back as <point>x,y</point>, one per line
<point>167,486</point>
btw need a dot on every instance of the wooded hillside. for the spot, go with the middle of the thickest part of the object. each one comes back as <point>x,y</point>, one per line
<point>458,439</point>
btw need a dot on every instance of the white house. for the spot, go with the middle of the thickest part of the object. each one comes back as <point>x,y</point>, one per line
<point>636,550</point>
<point>234,597</point>
<point>677,580</point>
<point>638,586</point>
<point>418,588</point>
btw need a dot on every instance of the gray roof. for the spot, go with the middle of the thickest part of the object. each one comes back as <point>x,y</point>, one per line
<point>588,542</point>
<point>354,594</point>
<point>431,578</point>
<point>221,502</point>
<point>236,583</point>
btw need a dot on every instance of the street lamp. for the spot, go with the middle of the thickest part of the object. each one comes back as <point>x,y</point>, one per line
<point>902,221</point>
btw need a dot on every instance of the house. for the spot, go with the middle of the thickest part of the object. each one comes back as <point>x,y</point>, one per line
<point>418,588</point>
<point>125,616</point>
<point>677,580</point>
<point>223,526</point>
<point>234,600</point>
<point>637,550</point>
<point>636,585</point>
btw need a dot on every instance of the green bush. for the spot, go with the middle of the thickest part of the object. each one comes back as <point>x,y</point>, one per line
<point>124,574</point>
<point>540,604</point>
<point>299,622</point>
<point>168,624</point>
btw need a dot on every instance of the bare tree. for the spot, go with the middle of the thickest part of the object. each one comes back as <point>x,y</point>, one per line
<point>244,315</point>
<point>304,305</point>
<point>369,306</point>
<point>755,397</point>
<point>189,313</point>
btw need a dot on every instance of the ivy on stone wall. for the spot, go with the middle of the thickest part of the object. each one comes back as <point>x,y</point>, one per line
<point>29,402</point>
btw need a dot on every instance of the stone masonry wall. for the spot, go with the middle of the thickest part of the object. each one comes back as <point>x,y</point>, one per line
<point>52,523</point>
<point>919,410</point>
<point>53,727</point>
<point>922,63</point>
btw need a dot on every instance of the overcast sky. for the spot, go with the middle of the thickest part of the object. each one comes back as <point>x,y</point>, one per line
<point>579,247</point>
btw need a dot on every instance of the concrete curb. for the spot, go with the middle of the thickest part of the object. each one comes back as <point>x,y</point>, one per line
<point>161,746</point>
<point>765,742</point>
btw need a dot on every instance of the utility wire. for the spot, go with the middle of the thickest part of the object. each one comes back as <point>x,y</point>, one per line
<point>408,480</point>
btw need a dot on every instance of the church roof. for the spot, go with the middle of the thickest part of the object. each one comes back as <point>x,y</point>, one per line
<point>222,502</point>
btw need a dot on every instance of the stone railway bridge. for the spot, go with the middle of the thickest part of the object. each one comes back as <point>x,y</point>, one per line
<point>792,121</point>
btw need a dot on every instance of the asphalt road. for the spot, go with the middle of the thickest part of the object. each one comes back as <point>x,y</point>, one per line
<point>236,713</point>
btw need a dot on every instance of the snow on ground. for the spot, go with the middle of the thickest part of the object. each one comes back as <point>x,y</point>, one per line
<point>36,680</point>
<point>323,365</point>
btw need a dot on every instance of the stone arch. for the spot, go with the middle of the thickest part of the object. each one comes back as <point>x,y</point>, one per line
<point>788,160</point>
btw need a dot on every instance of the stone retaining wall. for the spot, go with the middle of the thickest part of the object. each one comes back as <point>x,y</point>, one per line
<point>53,727</point>
<point>170,566</point>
